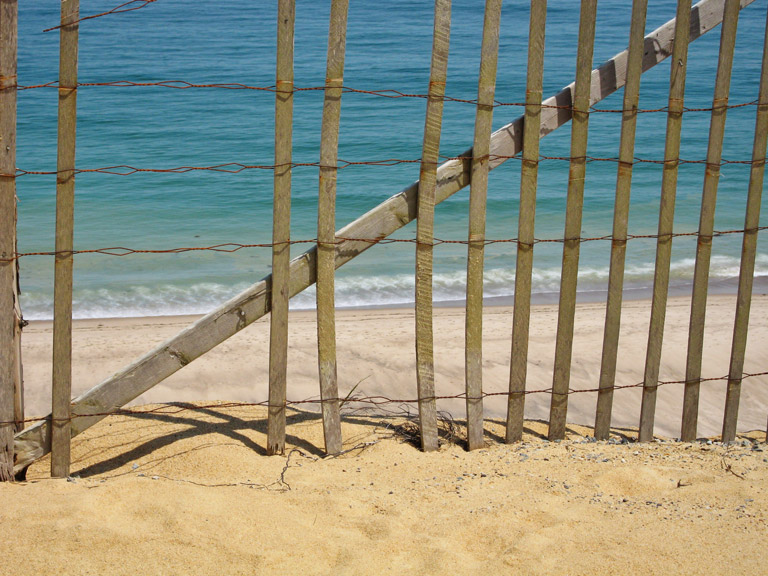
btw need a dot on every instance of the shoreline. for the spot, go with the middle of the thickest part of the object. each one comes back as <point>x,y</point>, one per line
<point>632,291</point>
<point>376,353</point>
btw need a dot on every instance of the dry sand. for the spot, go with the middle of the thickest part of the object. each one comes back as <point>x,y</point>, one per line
<point>187,489</point>
<point>191,492</point>
<point>376,353</point>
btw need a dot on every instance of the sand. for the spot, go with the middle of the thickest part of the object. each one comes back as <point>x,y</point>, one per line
<point>187,489</point>
<point>191,492</point>
<point>376,353</point>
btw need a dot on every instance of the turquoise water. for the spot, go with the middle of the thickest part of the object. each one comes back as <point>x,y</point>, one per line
<point>389,43</point>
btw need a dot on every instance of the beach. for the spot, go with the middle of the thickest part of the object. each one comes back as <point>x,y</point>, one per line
<point>376,357</point>
<point>177,173</point>
<point>191,492</point>
<point>187,487</point>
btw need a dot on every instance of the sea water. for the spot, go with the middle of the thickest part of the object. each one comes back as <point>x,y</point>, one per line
<point>388,48</point>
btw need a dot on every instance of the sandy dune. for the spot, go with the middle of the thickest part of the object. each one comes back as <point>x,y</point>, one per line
<point>190,492</point>
<point>186,488</point>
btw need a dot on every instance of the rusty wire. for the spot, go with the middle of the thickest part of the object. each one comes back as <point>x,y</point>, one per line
<point>129,6</point>
<point>231,247</point>
<point>238,167</point>
<point>374,401</point>
<point>389,93</point>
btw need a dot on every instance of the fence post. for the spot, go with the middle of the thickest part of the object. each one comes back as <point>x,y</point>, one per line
<point>425,367</point>
<point>65,204</point>
<point>326,227</point>
<point>707,222</point>
<point>11,409</point>
<point>281,232</point>
<point>579,131</point>
<point>521,315</point>
<point>678,67</point>
<point>620,218</point>
<point>748,249</point>
<point>478,192</point>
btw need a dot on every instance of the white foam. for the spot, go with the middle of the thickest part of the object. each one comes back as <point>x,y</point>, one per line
<point>357,291</point>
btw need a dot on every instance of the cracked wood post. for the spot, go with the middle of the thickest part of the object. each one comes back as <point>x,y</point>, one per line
<point>425,367</point>
<point>65,209</point>
<point>575,203</point>
<point>11,407</point>
<point>326,227</point>
<point>386,218</point>
<point>748,250</point>
<point>707,223</point>
<point>478,192</point>
<point>620,218</point>
<point>666,220</point>
<point>529,173</point>
<point>281,232</point>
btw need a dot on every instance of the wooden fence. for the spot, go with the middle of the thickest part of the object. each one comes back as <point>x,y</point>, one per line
<point>19,448</point>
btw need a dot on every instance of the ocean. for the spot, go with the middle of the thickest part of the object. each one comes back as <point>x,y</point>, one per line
<point>388,48</point>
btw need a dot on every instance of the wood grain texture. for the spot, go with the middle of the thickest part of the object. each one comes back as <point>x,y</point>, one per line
<point>573,216</point>
<point>386,218</point>
<point>678,67</point>
<point>748,250</point>
<point>521,314</point>
<point>707,222</point>
<point>326,227</point>
<point>478,191</point>
<point>281,229</point>
<point>63,268</point>
<point>10,354</point>
<point>430,156</point>
<point>620,219</point>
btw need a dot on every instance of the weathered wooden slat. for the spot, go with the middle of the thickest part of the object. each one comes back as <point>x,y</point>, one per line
<point>478,191</point>
<point>620,218</point>
<point>386,218</point>
<point>707,223</point>
<point>748,250</point>
<point>425,366</point>
<point>573,213</point>
<point>326,227</point>
<point>281,229</point>
<point>521,316</point>
<point>678,67</point>
<point>63,267</point>
<point>10,383</point>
